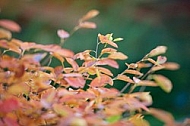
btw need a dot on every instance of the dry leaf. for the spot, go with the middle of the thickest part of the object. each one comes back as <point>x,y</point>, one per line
<point>109,62</point>
<point>105,39</point>
<point>5,34</point>
<point>87,24</point>
<point>171,66</point>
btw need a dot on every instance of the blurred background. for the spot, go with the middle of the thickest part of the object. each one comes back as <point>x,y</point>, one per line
<point>144,24</point>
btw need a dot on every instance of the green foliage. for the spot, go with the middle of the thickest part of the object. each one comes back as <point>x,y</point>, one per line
<point>33,92</point>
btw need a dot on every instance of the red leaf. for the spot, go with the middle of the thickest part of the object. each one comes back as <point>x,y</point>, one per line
<point>10,121</point>
<point>73,63</point>
<point>10,25</point>
<point>77,82</point>
<point>105,39</point>
<point>101,81</point>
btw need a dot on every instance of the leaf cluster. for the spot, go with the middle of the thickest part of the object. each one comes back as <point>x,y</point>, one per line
<point>34,93</point>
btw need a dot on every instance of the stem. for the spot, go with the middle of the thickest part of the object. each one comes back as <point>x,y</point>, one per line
<point>97,45</point>
<point>125,87</point>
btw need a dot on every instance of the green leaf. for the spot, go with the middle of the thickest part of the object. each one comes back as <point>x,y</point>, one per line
<point>113,119</point>
<point>117,39</point>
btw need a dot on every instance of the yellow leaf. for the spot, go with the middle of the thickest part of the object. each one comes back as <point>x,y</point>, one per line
<point>137,120</point>
<point>5,34</point>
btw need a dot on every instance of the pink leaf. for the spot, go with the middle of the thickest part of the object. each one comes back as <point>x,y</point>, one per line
<point>62,33</point>
<point>75,81</point>
<point>9,105</point>
<point>10,25</point>
<point>102,80</point>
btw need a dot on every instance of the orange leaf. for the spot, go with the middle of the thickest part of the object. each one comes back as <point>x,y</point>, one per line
<point>10,25</point>
<point>87,24</point>
<point>77,82</point>
<point>124,78</point>
<point>163,82</point>
<point>147,83</point>
<point>171,66</point>
<point>135,72</point>
<point>4,34</point>
<point>108,50</point>
<point>105,39</point>
<point>144,97</point>
<point>164,116</point>
<point>18,89</point>
<point>105,71</point>
<point>117,55</point>
<point>109,62</point>
<point>89,15</point>
<point>101,81</point>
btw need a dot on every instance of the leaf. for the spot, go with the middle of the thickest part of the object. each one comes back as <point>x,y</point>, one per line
<point>161,59</point>
<point>171,66</point>
<point>89,15</point>
<point>60,109</point>
<point>101,81</point>
<point>5,34</point>
<point>72,75</point>
<point>124,78</point>
<point>10,25</point>
<point>117,39</point>
<point>105,71</point>
<point>147,83</point>
<point>157,51</point>
<point>137,120</point>
<point>164,116</point>
<point>113,118</point>
<point>135,72</point>
<point>105,39</point>
<point>8,121</point>
<point>117,55</point>
<point>144,97</point>
<point>73,63</point>
<point>109,62</point>
<point>108,50</point>
<point>77,82</point>
<point>163,82</point>
<point>10,46</point>
<point>152,61</point>
<point>59,57</point>
<point>87,24</point>
<point>62,33</point>
<point>19,89</point>
<point>9,105</point>
<point>156,68</point>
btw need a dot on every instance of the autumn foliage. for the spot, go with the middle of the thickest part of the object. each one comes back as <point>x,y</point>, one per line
<point>82,94</point>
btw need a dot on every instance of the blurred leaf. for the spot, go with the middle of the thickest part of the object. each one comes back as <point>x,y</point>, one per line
<point>5,34</point>
<point>163,82</point>
<point>62,33</point>
<point>157,51</point>
<point>113,119</point>
<point>137,120</point>
<point>73,63</point>
<point>87,24</point>
<point>117,39</point>
<point>108,50</point>
<point>9,105</point>
<point>161,59</point>
<point>105,71</point>
<point>89,15</point>
<point>171,66</point>
<point>19,89</point>
<point>10,25</point>
<point>162,115</point>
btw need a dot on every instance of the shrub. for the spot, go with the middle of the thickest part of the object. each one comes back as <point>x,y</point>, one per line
<point>77,93</point>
